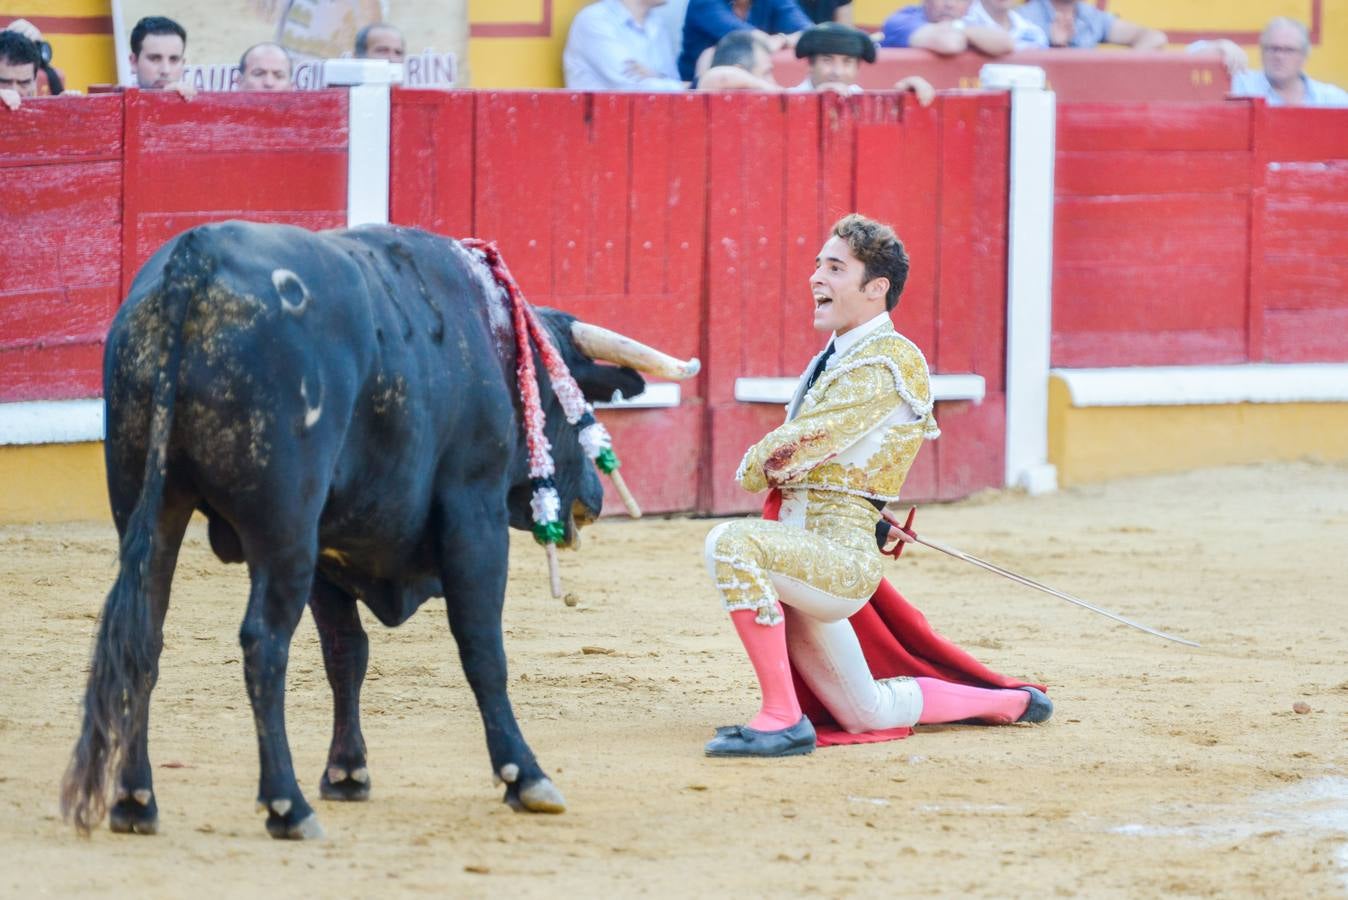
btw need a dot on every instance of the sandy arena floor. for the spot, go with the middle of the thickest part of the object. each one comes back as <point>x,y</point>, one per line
<point>1166,771</point>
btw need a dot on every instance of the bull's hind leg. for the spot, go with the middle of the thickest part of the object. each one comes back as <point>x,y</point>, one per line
<point>282,576</point>
<point>473,549</point>
<point>346,652</point>
<point>135,810</point>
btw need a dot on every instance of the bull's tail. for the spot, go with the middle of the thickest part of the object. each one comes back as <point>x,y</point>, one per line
<point>125,659</point>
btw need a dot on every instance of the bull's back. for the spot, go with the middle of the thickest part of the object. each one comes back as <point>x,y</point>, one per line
<point>323,371</point>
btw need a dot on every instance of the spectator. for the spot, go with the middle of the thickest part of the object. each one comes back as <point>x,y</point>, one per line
<point>158,54</point>
<point>1285,46</point>
<point>1025,35</point>
<point>670,17</point>
<point>49,79</point>
<point>741,61</point>
<point>1072,23</point>
<point>618,45</point>
<point>821,11</point>
<point>939,26</point>
<point>265,67</point>
<point>779,23</point>
<point>381,40</point>
<point>19,61</point>
<point>835,53</point>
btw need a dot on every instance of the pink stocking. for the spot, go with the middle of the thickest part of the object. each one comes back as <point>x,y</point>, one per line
<point>946,701</point>
<point>766,646</point>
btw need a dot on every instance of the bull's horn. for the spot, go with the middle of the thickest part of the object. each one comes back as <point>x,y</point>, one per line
<point>600,343</point>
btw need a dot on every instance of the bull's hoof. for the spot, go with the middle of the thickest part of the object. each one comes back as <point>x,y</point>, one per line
<point>349,786</point>
<point>292,820</point>
<point>540,796</point>
<point>135,813</point>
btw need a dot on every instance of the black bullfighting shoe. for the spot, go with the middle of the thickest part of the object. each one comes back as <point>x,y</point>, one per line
<point>1040,708</point>
<point>741,740</point>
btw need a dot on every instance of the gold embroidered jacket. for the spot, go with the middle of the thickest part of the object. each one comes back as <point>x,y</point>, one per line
<point>855,431</point>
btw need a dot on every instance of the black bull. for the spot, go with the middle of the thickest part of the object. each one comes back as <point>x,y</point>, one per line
<point>344,409</point>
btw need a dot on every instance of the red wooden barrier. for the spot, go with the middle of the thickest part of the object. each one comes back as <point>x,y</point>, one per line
<point>1075,75</point>
<point>1303,277</point>
<point>60,205</point>
<point>1199,234</point>
<point>1151,234</point>
<point>591,220</point>
<point>1184,233</point>
<point>939,174</point>
<point>278,158</point>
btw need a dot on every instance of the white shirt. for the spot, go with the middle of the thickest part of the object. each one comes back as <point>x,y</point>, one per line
<point>807,87</point>
<point>841,344</point>
<point>1024,33</point>
<point>605,38</point>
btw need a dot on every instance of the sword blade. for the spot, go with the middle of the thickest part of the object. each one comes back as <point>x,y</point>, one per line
<point>1061,595</point>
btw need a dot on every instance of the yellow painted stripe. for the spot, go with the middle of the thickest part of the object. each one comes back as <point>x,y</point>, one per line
<point>1102,443</point>
<point>28,8</point>
<point>84,59</point>
<point>53,483</point>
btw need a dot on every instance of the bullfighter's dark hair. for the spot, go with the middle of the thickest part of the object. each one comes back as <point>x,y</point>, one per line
<point>18,50</point>
<point>155,25</point>
<point>879,249</point>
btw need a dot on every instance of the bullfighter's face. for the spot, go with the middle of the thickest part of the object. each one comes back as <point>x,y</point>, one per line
<point>843,299</point>
<point>160,61</point>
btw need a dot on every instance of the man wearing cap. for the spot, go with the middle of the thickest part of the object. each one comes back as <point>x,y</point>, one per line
<point>835,53</point>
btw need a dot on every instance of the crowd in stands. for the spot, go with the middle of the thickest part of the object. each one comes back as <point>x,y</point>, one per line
<point>674,45</point>
<point>159,56</point>
<point>678,45</point>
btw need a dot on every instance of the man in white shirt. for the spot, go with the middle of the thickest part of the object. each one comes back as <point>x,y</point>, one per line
<point>617,45</point>
<point>1285,47</point>
<point>1025,35</point>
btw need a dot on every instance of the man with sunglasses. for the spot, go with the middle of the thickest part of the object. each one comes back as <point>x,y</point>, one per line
<point>1285,46</point>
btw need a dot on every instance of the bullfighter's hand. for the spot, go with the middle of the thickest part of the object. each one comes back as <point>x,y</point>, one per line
<point>9,99</point>
<point>182,89</point>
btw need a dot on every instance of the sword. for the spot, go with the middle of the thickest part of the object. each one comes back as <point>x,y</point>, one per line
<point>907,535</point>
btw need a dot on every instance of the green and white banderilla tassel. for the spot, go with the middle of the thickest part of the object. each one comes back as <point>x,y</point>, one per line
<point>598,446</point>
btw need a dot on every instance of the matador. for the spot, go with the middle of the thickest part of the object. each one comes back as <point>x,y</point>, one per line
<point>860,412</point>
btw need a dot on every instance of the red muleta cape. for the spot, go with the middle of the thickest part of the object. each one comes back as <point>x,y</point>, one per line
<point>897,640</point>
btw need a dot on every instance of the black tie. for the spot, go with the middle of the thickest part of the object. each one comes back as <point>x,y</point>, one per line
<point>819,366</point>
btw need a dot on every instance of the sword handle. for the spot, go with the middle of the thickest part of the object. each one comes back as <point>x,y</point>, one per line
<point>906,532</point>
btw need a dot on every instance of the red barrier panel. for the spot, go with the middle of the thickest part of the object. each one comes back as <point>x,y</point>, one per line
<point>274,158</point>
<point>1075,75</point>
<point>590,221</point>
<point>1199,234</point>
<point>60,204</point>
<point>1184,233</point>
<point>1151,234</point>
<point>939,175</point>
<point>1303,277</point>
